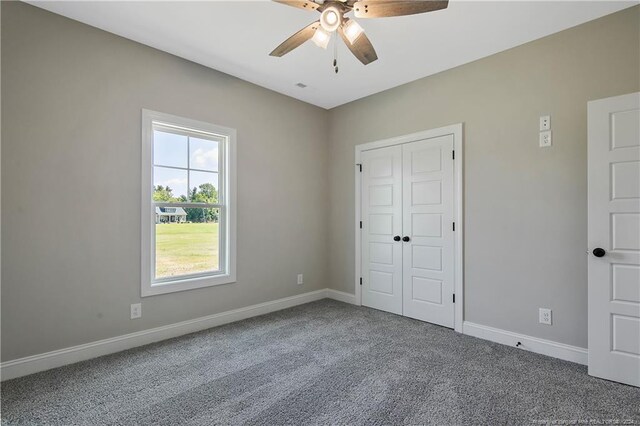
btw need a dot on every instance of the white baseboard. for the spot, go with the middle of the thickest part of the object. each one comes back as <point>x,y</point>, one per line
<point>529,343</point>
<point>35,363</point>
<point>341,296</point>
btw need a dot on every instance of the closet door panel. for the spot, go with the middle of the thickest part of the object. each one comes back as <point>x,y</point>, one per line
<point>381,222</point>
<point>427,221</point>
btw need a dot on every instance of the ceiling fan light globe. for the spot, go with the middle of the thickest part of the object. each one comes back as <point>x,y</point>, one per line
<point>331,19</point>
<point>321,38</point>
<point>352,30</point>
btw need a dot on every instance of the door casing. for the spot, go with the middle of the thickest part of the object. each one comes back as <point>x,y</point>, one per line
<point>456,130</point>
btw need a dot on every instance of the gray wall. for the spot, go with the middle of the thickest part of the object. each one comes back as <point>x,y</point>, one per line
<point>70,167</point>
<point>71,105</point>
<point>0,169</point>
<point>525,207</point>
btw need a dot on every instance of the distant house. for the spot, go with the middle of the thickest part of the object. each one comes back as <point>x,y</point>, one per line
<point>170,215</point>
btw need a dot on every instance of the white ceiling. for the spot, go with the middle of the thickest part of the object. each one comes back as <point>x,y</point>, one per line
<point>236,37</point>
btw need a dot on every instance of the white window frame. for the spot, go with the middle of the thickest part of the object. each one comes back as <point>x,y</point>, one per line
<point>227,216</point>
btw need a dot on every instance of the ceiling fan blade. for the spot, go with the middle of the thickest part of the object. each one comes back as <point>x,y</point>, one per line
<point>300,4</point>
<point>386,8</point>
<point>361,47</point>
<point>296,40</point>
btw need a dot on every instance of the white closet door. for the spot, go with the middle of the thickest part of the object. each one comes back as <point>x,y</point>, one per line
<point>614,239</point>
<point>382,221</point>
<point>428,212</point>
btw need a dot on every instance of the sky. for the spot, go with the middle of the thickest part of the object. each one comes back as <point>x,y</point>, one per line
<point>184,152</point>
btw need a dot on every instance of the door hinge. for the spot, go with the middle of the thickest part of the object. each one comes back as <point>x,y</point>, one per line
<point>453,154</point>
<point>360,224</point>
<point>360,167</point>
<point>454,226</point>
<point>360,280</point>
<point>454,298</point>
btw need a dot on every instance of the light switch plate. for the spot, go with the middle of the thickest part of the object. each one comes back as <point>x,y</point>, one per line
<point>545,122</point>
<point>545,139</point>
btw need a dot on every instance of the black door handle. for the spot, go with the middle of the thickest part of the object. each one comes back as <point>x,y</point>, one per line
<point>599,252</point>
<point>396,238</point>
<point>406,239</point>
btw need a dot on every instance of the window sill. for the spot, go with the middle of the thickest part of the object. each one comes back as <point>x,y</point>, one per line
<point>186,284</point>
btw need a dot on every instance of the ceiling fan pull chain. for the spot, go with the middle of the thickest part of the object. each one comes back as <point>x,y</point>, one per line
<point>335,54</point>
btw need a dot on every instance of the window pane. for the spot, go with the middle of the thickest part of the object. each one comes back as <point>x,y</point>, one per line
<point>169,184</point>
<point>169,149</point>
<point>204,187</point>
<point>204,154</point>
<point>187,241</point>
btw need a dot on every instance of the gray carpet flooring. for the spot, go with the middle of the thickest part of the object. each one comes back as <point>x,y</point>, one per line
<point>321,363</point>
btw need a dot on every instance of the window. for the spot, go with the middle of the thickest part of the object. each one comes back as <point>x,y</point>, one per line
<point>188,204</point>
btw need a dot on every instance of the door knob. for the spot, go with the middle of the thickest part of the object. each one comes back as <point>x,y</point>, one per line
<point>599,252</point>
<point>396,238</point>
<point>406,239</point>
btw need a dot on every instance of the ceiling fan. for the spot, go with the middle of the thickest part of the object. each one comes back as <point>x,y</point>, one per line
<point>332,19</point>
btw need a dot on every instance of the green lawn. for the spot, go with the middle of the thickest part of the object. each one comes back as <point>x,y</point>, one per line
<point>186,248</point>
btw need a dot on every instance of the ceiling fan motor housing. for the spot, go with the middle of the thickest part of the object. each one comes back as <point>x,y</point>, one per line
<point>331,18</point>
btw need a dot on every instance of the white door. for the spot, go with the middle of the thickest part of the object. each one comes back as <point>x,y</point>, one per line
<point>381,222</point>
<point>407,236</point>
<point>427,209</point>
<point>614,238</point>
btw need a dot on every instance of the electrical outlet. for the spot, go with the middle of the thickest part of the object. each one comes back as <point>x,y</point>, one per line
<point>544,316</point>
<point>545,122</point>
<point>545,139</point>
<point>300,279</point>
<point>136,310</point>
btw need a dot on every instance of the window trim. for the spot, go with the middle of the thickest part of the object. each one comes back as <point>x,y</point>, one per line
<point>227,181</point>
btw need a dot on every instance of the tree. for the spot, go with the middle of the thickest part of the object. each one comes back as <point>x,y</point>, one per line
<point>205,193</point>
<point>195,215</point>
<point>163,194</point>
